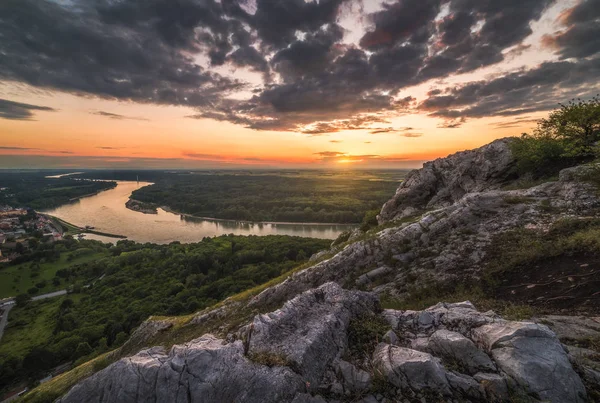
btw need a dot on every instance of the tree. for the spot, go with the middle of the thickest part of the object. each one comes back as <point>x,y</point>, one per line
<point>569,136</point>
<point>121,338</point>
<point>577,124</point>
<point>23,299</point>
<point>83,349</point>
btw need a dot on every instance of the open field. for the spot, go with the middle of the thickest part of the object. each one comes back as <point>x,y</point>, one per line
<point>15,280</point>
<point>31,325</point>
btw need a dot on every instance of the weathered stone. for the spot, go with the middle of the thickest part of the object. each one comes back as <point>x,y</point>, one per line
<point>458,348</point>
<point>355,380</point>
<point>465,385</point>
<point>204,370</point>
<point>410,369</point>
<point>446,180</point>
<point>309,330</point>
<point>532,356</point>
<point>391,338</point>
<point>495,387</point>
<point>306,398</point>
<point>573,328</point>
<point>491,335</point>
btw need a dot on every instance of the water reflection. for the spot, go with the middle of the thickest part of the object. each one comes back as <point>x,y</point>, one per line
<point>106,212</point>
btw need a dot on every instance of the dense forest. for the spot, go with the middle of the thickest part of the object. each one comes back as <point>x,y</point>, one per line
<point>34,190</point>
<point>120,286</point>
<point>284,198</point>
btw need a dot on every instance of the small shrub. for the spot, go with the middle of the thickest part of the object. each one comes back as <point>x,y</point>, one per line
<point>364,333</point>
<point>269,359</point>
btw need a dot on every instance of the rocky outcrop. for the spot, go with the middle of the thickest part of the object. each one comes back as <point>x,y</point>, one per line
<point>446,180</point>
<point>301,353</point>
<point>445,245</point>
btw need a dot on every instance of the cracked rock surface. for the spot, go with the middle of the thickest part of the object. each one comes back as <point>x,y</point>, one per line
<point>301,353</point>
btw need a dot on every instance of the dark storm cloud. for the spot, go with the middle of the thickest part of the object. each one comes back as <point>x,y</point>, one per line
<point>249,57</point>
<point>581,36</point>
<point>400,21</point>
<point>313,81</point>
<point>308,56</point>
<point>19,111</point>
<point>476,32</point>
<point>276,22</point>
<point>521,92</point>
<point>70,49</point>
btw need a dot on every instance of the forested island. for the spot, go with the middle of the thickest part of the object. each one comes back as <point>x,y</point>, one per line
<point>335,198</point>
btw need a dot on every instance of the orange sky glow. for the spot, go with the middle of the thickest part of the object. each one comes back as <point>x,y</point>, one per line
<point>80,129</point>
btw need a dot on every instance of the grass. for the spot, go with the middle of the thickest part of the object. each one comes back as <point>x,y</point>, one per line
<point>31,325</point>
<point>364,333</point>
<point>58,386</point>
<point>518,200</point>
<point>17,279</point>
<point>512,250</point>
<point>526,183</point>
<point>269,359</point>
<point>426,296</point>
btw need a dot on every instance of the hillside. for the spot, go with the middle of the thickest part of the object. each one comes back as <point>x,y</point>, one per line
<point>384,315</point>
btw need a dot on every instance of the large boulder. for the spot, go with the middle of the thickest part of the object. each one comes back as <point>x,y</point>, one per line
<point>532,356</point>
<point>409,369</point>
<point>203,370</point>
<point>303,352</point>
<point>460,350</point>
<point>309,331</point>
<point>446,180</point>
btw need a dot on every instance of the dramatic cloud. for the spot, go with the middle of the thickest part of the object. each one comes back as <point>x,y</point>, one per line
<point>316,76</point>
<point>125,50</point>
<point>521,92</point>
<point>19,111</point>
<point>581,36</point>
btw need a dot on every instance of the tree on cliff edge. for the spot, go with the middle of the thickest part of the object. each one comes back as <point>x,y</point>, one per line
<point>569,136</point>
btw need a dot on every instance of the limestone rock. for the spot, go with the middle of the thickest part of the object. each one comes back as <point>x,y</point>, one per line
<point>410,369</point>
<point>355,380</point>
<point>204,370</point>
<point>455,346</point>
<point>465,385</point>
<point>494,385</point>
<point>446,180</point>
<point>309,331</point>
<point>532,355</point>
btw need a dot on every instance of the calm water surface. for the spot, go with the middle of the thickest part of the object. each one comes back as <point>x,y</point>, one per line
<point>106,212</point>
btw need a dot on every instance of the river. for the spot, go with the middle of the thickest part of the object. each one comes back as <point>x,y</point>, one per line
<point>106,212</point>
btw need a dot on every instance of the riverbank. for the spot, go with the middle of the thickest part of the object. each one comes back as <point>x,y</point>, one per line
<point>169,210</point>
<point>94,193</point>
<point>72,229</point>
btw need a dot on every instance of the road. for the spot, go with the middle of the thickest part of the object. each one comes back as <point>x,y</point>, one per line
<point>6,309</point>
<point>49,295</point>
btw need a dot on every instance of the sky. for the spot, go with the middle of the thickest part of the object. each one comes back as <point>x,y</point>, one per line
<point>204,84</point>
